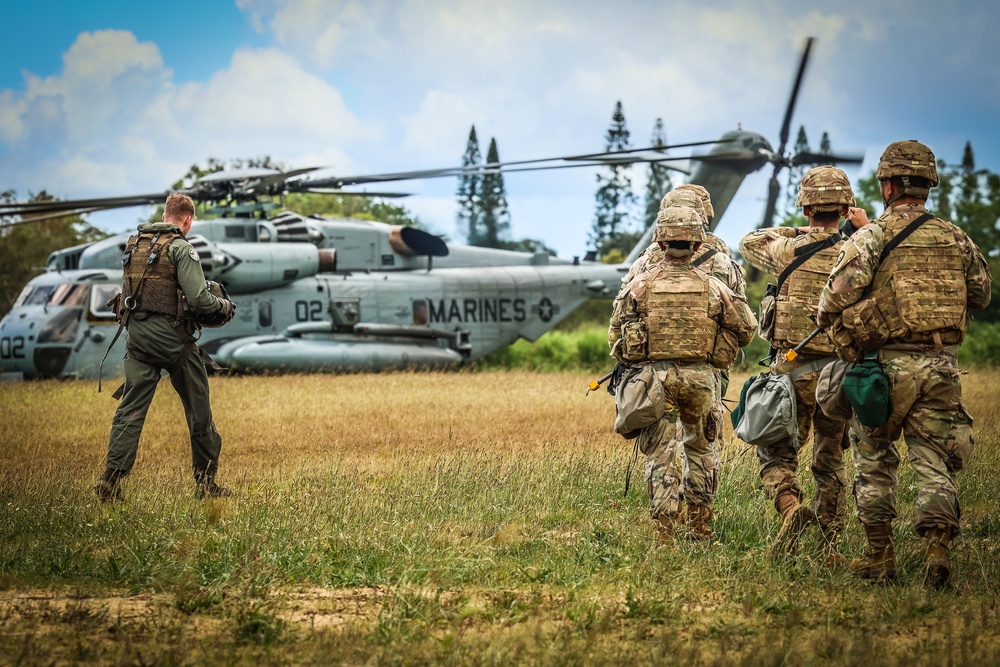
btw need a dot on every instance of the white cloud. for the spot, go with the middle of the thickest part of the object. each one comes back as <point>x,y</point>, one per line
<point>113,121</point>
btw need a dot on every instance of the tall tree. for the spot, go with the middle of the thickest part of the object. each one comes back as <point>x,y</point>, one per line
<point>658,181</point>
<point>469,218</point>
<point>615,201</point>
<point>25,247</point>
<point>824,144</point>
<point>493,212</point>
<point>941,196</point>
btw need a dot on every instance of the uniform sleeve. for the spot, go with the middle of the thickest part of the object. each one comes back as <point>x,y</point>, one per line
<point>731,273</point>
<point>191,278</point>
<point>769,250</point>
<point>978,279</point>
<point>734,313</point>
<point>854,271</point>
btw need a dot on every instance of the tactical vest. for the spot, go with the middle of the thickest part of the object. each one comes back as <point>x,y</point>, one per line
<point>920,287</point>
<point>798,299</point>
<point>675,312</point>
<point>149,275</point>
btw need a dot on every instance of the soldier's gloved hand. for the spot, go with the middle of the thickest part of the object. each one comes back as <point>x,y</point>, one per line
<point>227,309</point>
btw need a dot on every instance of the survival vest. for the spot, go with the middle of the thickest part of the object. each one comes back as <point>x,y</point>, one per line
<point>149,277</point>
<point>675,311</point>
<point>798,298</point>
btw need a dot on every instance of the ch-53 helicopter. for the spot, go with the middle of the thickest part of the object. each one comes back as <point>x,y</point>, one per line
<point>316,294</point>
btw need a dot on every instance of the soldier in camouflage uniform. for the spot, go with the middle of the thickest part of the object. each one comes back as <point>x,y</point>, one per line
<point>909,303</point>
<point>688,324</point>
<point>161,267</point>
<point>713,256</point>
<point>825,196</point>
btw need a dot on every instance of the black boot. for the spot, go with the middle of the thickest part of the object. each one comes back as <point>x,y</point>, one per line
<point>108,488</point>
<point>207,488</point>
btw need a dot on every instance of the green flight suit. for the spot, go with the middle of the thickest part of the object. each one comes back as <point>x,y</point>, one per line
<point>152,344</point>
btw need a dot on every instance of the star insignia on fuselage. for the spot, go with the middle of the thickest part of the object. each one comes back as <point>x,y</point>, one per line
<point>545,309</point>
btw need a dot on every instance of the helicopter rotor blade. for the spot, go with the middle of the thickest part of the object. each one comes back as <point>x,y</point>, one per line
<point>590,159</point>
<point>51,206</point>
<point>786,124</point>
<point>360,193</point>
<point>53,216</point>
<point>823,158</point>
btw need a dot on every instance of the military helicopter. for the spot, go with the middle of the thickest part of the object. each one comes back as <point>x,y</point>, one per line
<point>319,295</point>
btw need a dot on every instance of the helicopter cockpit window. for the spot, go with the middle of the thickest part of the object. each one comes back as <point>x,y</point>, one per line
<point>35,296</point>
<point>99,298</point>
<point>69,295</point>
<point>62,328</point>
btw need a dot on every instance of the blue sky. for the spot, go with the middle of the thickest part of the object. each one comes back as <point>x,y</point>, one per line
<point>110,98</point>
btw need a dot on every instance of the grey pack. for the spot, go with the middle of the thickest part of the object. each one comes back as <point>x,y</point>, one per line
<point>639,401</point>
<point>769,415</point>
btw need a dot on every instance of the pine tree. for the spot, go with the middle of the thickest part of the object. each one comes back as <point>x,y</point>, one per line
<point>824,144</point>
<point>615,200</point>
<point>493,214</point>
<point>940,198</point>
<point>658,182</point>
<point>469,187</point>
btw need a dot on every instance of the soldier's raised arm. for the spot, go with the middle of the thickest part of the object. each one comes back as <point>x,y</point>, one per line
<point>978,279</point>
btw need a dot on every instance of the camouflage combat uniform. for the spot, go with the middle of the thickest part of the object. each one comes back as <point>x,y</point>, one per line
<point>772,250</point>
<point>923,291</point>
<point>682,312</point>
<point>156,341</point>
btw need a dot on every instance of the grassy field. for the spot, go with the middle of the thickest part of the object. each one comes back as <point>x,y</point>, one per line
<point>460,518</point>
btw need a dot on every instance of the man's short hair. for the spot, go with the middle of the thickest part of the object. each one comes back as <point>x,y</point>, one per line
<point>915,181</point>
<point>178,206</point>
<point>826,217</point>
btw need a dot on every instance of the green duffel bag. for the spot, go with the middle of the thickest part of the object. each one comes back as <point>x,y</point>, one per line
<point>867,389</point>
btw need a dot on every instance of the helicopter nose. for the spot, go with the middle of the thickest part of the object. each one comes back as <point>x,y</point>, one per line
<point>50,361</point>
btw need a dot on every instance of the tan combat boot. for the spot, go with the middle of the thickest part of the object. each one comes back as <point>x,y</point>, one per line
<point>794,518</point>
<point>938,564</point>
<point>698,517</point>
<point>880,561</point>
<point>665,525</point>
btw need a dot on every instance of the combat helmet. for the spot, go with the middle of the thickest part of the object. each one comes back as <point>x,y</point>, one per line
<point>685,199</point>
<point>678,223</point>
<point>825,188</point>
<point>905,159</point>
<point>706,199</point>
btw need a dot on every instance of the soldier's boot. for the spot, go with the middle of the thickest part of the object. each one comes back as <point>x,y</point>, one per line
<point>879,562</point>
<point>665,525</point>
<point>109,488</point>
<point>698,517</point>
<point>937,561</point>
<point>794,518</point>
<point>205,487</point>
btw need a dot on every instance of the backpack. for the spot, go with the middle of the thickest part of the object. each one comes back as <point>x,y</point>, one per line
<point>639,401</point>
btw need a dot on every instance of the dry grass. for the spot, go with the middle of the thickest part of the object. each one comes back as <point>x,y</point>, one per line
<point>422,518</point>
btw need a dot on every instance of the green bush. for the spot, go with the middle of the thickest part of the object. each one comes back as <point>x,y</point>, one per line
<point>583,349</point>
<point>981,346</point>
